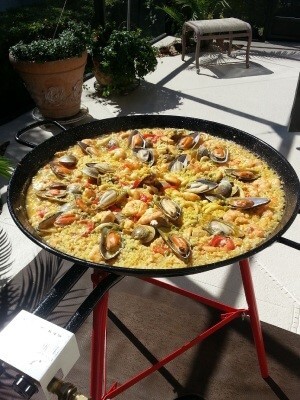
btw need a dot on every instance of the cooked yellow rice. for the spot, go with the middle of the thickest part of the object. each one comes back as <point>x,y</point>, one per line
<point>81,237</point>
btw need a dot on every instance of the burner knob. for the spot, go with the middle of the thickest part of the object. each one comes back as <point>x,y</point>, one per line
<point>25,387</point>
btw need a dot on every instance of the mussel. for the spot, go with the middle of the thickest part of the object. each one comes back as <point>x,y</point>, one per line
<point>202,151</point>
<point>92,173</point>
<point>217,227</point>
<point>68,160</point>
<point>48,222</point>
<point>87,149</point>
<point>60,170</point>
<point>53,193</point>
<point>201,186</point>
<point>219,154</point>
<point>145,155</point>
<point>245,203</point>
<point>179,245</point>
<point>109,197</point>
<point>179,163</point>
<point>190,141</point>
<point>170,209</point>
<point>102,167</point>
<point>135,139</point>
<point>110,240</point>
<point>143,233</point>
<point>224,188</point>
<point>245,175</point>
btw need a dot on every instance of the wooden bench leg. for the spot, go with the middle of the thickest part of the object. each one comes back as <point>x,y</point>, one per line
<point>183,42</point>
<point>248,49</point>
<point>197,53</point>
<point>229,45</point>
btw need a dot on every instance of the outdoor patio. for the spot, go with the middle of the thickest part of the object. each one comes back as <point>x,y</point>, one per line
<point>259,101</point>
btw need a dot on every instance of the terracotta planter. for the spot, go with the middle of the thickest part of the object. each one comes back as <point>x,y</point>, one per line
<point>102,78</point>
<point>55,86</point>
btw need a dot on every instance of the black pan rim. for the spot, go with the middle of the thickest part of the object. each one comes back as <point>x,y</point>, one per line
<point>165,119</point>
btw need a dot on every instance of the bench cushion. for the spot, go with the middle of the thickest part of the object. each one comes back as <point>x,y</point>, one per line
<point>219,25</point>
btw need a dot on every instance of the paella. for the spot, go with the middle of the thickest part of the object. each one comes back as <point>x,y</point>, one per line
<point>155,198</point>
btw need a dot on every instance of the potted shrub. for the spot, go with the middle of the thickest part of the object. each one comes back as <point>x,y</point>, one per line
<point>52,70</point>
<point>121,58</point>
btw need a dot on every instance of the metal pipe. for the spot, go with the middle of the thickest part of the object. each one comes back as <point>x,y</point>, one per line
<point>59,290</point>
<point>91,301</point>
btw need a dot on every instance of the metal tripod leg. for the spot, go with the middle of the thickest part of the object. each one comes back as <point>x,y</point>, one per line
<point>254,318</point>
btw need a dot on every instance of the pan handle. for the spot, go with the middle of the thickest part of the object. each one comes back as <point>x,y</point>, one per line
<point>35,125</point>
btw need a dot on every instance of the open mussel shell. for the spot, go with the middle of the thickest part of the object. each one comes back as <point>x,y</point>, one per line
<point>245,203</point>
<point>135,139</point>
<point>179,245</point>
<point>217,227</point>
<point>90,171</point>
<point>52,194</point>
<point>202,151</point>
<point>60,170</point>
<point>219,154</point>
<point>68,160</point>
<point>48,222</point>
<point>109,197</point>
<point>145,155</point>
<point>170,209</point>
<point>87,149</point>
<point>143,233</point>
<point>190,141</point>
<point>179,163</point>
<point>102,167</point>
<point>245,175</point>
<point>110,240</point>
<point>201,186</point>
<point>224,188</point>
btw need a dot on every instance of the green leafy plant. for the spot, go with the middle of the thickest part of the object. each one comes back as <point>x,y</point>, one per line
<point>5,167</point>
<point>180,11</point>
<point>70,43</point>
<point>123,57</point>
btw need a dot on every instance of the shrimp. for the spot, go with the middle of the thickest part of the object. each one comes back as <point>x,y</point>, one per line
<point>134,208</point>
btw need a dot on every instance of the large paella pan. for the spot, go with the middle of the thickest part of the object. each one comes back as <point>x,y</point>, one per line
<point>154,195</point>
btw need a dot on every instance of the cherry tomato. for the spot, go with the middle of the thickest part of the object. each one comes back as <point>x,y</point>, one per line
<point>222,241</point>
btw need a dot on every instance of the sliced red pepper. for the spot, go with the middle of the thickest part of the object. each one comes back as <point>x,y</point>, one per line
<point>152,137</point>
<point>161,249</point>
<point>222,241</point>
<point>89,227</point>
<point>144,198</point>
<point>113,148</point>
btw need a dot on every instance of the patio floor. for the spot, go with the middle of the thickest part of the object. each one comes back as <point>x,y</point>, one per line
<point>259,101</point>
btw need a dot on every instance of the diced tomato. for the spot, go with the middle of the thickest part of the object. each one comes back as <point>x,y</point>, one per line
<point>222,241</point>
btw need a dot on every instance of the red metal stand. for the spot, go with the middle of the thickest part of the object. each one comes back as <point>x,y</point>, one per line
<point>98,356</point>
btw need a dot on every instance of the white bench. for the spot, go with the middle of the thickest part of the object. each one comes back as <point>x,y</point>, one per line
<point>225,28</point>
